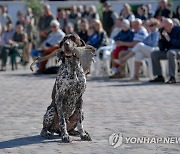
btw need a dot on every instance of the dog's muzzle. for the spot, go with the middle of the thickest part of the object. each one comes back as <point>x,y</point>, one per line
<point>68,48</point>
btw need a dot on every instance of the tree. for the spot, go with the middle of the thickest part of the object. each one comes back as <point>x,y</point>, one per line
<point>36,7</point>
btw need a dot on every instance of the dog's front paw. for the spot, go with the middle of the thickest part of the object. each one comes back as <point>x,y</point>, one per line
<point>66,138</point>
<point>45,134</point>
<point>86,137</point>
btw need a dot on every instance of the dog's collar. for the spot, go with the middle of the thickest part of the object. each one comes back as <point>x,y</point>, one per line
<point>68,56</point>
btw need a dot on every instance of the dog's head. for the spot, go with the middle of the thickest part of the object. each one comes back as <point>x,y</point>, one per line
<point>73,45</point>
<point>69,42</point>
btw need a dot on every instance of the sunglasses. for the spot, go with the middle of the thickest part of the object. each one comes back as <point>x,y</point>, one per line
<point>151,25</point>
<point>53,26</point>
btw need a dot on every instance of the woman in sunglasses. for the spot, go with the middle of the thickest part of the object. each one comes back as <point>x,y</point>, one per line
<point>143,49</point>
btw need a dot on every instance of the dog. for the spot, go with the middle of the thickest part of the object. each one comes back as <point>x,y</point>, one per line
<point>65,113</point>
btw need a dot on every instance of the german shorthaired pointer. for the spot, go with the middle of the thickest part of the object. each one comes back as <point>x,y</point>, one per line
<point>65,114</point>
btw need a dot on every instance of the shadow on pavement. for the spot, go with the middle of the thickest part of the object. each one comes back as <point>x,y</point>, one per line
<point>136,84</point>
<point>17,142</point>
<point>31,75</point>
<point>103,79</point>
<point>126,82</point>
<point>141,83</point>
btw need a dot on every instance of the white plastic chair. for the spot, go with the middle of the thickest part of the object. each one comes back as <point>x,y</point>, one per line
<point>131,66</point>
<point>146,67</point>
<point>102,60</point>
<point>164,68</point>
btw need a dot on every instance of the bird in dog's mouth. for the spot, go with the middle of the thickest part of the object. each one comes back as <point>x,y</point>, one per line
<point>72,47</point>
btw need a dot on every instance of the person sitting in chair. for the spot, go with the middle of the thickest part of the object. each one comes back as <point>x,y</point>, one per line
<point>6,36</point>
<point>126,35</point>
<point>17,41</point>
<point>169,46</point>
<point>140,33</point>
<point>50,44</point>
<point>143,49</point>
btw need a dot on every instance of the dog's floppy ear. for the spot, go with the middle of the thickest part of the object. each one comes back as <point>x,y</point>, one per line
<point>82,43</point>
<point>64,39</point>
<point>61,43</point>
<point>77,40</point>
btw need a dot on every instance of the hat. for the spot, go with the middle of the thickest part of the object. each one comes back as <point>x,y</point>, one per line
<point>125,23</point>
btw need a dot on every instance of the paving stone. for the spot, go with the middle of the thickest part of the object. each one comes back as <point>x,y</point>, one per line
<point>133,108</point>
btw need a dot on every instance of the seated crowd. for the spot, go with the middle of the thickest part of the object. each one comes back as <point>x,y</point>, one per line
<point>155,37</point>
<point>143,34</point>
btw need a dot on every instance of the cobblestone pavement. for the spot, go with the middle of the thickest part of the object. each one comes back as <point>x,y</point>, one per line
<point>135,109</point>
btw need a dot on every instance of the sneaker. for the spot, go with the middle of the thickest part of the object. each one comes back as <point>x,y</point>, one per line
<point>117,75</point>
<point>171,80</point>
<point>158,79</point>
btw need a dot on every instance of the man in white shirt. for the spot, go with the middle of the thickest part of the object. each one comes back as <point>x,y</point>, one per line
<point>140,33</point>
<point>50,44</point>
<point>55,37</point>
